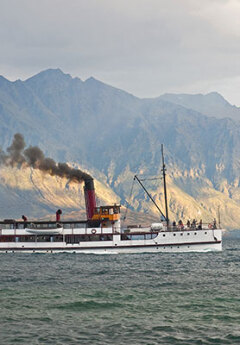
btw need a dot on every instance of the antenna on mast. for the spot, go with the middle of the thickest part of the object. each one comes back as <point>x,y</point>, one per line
<point>165,186</point>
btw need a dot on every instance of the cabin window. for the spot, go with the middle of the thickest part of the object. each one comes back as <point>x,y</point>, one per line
<point>45,238</point>
<point>125,237</point>
<point>105,237</point>
<point>136,237</point>
<point>26,239</point>
<point>7,238</point>
<point>72,239</point>
<point>78,225</point>
<point>58,238</point>
<point>150,236</point>
<point>87,238</point>
<point>66,226</point>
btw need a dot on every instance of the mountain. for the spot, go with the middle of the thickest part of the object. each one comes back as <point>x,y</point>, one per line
<point>212,104</point>
<point>115,135</point>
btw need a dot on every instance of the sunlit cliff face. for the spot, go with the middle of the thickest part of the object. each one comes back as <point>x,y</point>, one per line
<point>38,194</point>
<point>31,192</point>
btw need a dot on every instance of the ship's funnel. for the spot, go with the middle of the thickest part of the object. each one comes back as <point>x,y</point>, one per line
<point>90,199</point>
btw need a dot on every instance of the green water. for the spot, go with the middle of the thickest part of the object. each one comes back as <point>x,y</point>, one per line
<point>189,298</point>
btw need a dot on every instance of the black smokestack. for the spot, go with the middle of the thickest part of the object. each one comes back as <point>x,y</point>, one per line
<point>90,199</point>
<point>34,157</point>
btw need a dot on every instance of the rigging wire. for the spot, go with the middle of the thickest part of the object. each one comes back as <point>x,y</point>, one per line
<point>131,191</point>
<point>149,195</point>
<point>151,179</point>
<point>128,203</point>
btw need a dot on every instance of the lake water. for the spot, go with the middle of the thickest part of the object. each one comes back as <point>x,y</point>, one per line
<point>188,298</point>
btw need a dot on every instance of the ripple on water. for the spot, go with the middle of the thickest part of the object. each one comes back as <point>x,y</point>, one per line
<point>88,305</point>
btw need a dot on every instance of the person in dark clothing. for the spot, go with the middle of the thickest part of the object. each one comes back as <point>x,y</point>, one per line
<point>24,218</point>
<point>180,225</point>
<point>193,225</point>
<point>58,215</point>
<point>200,225</point>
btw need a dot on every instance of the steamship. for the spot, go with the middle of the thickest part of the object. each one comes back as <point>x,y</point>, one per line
<point>102,233</point>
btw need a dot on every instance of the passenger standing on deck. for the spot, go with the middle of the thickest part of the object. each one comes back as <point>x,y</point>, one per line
<point>200,225</point>
<point>180,225</point>
<point>24,218</point>
<point>58,215</point>
<point>188,223</point>
<point>193,226</point>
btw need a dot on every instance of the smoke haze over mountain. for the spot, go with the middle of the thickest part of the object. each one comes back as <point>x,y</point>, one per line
<point>34,157</point>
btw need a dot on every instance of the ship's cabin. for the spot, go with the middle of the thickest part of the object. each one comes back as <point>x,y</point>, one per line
<point>107,213</point>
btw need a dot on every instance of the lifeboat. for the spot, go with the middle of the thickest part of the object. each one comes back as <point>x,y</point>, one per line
<point>44,231</point>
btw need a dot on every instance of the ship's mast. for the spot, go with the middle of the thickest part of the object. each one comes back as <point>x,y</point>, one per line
<point>165,186</point>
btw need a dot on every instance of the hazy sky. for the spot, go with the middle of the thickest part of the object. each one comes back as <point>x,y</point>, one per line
<point>146,47</point>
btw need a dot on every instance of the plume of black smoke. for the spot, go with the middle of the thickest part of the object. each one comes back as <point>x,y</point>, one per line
<point>34,157</point>
<point>14,155</point>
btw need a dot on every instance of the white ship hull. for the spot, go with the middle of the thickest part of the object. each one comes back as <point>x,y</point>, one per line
<point>163,242</point>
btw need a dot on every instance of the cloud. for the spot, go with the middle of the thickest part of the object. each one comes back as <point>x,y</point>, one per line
<point>145,46</point>
<point>224,16</point>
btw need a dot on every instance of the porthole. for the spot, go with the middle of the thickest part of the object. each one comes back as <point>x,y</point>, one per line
<point>181,234</point>
<point>195,233</point>
<point>205,233</point>
<point>174,234</point>
<point>164,235</point>
<point>188,233</point>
